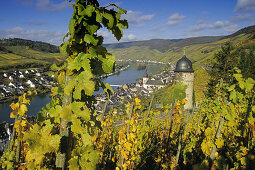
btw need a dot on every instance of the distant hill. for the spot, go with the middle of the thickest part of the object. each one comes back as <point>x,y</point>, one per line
<point>163,45</point>
<point>199,50</point>
<point>158,44</point>
<point>35,45</point>
<point>19,53</point>
<point>246,30</point>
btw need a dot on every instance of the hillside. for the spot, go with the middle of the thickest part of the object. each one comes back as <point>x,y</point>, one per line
<point>199,49</point>
<point>20,53</point>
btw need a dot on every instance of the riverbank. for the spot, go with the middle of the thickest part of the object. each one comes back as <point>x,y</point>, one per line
<point>115,72</point>
<point>14,98</point>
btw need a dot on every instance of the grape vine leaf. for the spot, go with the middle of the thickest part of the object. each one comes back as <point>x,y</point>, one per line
<point>90,39</point>
<point>107,63</point>
<point>110,19</point>
<point>81,61</point>
<point>81,82</point>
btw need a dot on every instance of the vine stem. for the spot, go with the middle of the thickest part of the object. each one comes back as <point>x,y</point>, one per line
<point>65,146</point>
<point>217,135</point>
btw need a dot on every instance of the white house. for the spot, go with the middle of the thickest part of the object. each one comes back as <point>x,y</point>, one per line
<point>21,76</point>
<point>30,83</point>
<point>10,78</point>
<point>12,85</point>
<point>38,74</point>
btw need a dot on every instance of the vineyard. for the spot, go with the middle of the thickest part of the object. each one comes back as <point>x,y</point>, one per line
<point>69,134</point>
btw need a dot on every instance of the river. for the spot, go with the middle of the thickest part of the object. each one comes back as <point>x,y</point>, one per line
<point>127,76</point>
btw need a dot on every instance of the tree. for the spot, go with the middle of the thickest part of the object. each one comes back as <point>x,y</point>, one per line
<point>225,61</point>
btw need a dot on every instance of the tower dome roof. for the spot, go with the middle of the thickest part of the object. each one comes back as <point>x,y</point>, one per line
<point>184,65</point>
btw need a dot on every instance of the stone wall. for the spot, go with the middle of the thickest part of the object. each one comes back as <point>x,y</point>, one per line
<point>186,78</point>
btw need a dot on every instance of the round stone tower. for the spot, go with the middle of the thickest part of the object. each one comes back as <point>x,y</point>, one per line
<point>184,73</point>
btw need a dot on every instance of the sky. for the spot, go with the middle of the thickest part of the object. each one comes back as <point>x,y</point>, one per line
<point>47,20</point>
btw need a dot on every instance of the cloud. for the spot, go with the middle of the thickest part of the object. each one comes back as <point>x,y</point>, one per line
<point>129,37</point>
<point>245,5</point>
<point>175,19</point>
<point>36,23</point>
<point>242,17</point>
<point>46,5</point>
<point>36,35</point>
<point>225,25</point>
<point>134,17</point>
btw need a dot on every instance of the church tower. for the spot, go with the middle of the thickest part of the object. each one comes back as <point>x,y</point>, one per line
<point>184,73</point>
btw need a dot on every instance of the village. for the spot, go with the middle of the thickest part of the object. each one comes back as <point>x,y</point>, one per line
<point>143,87</point>
<point>17,82</point>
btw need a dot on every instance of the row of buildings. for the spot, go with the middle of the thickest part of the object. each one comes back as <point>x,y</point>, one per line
<point>16,82</point>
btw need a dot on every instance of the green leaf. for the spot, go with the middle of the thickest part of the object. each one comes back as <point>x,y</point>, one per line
<point>76,126</point>
<point>123,24</point>
<point>249,84</point>
<point>89,10</point>
<point>55,111</point>
<point>90,39</point>
<point>71,26</point>
<point>117,32</point>
<point>241,84</point>
<point>107,63</point>
<point>99,16</point>
<point>238,77</point>
<point>73,163</point>
<point>63,48</point>
<point>86,139</point>
<point>81,61</point>
<point>110,19</point>
<point>122,11</point>
<point>83,82</point>
<point>89,158</point>
<point>232,87</point>
<point>81,9</point>
<point>79,83</point>
<point>108,87</point>
<point>232,96</point>
<point>97,50</point>
<point>85,115</point>
<point>66,113</point>
<point>92,28</point>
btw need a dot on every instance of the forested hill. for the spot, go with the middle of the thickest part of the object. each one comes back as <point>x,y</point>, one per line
<point>18,53</point>
<point>35,45</point>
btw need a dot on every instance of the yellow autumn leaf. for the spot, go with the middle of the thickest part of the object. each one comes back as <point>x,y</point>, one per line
<point>127,107</point>
<point>219,142</point>
<point>137,101</point>
<point>131,136</point>
<point>128,146</point>
<point>124,154</point>
<point>14,106</point>
<point>22,110</point>
<point>13,114</point>
<point>17,124</point>
<point>184,101</point>
<point>24,100</point>
<point>134,128</point>
<point>23,123</point>
<point>157,160</point>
